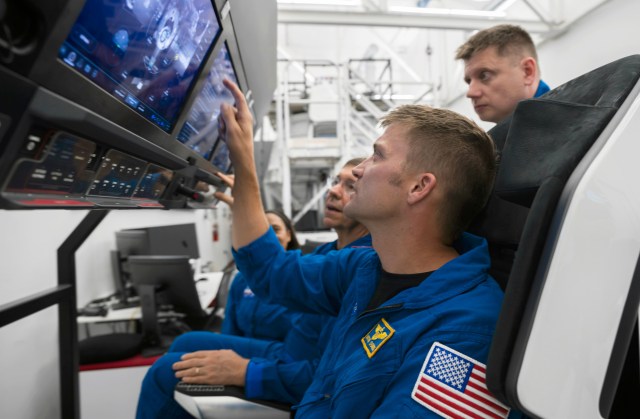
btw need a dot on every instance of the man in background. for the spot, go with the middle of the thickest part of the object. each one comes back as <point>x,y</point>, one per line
<point>501,69</point>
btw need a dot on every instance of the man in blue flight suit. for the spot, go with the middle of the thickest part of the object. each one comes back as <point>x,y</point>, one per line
<point>501,69</point>
<point>266,370</point>
<point>415,314</point>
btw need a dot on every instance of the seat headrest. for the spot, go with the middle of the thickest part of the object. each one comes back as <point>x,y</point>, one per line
<point>541,139</point>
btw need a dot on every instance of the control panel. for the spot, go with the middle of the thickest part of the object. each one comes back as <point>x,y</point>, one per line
<point>59,169</point>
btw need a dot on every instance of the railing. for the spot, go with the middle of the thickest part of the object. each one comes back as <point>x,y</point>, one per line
<point>327,92</point>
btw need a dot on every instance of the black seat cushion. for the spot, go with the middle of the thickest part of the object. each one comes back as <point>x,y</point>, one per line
<point>539,146</point>
<point>110,347</point>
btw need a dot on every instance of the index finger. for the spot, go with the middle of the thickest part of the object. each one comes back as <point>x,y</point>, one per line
<point>227,179</point>
<point>241,102</point>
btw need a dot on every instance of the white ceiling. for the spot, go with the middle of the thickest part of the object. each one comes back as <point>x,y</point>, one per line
<point>419,37</point>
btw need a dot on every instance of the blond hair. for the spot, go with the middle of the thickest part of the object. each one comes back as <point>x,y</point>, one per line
<point>459,153</point>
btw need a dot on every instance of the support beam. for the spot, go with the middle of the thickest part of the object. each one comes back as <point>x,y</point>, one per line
<point>403,20</point>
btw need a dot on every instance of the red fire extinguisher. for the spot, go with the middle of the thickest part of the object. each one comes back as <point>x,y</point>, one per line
<point>215,232</point>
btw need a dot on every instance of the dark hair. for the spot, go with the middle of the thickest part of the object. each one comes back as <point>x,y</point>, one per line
<point>507,39</point>
<point>294,243</point>
<point>458,152</point>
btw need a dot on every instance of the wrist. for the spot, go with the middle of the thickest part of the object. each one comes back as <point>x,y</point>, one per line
<point>241,377</point>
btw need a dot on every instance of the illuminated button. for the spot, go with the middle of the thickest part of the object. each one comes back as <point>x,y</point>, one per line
<point>32,142</point>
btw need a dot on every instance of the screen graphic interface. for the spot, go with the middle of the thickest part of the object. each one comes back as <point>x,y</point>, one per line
<point>200,131</point>
<point>146,53</point>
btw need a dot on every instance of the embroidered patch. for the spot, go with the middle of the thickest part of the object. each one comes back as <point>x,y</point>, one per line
<point>453,385</point>
<point>247,293</point>
<point>377,337</point>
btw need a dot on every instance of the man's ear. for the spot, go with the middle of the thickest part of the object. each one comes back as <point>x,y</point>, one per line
<point>529,68</point>
<point>424,185</point>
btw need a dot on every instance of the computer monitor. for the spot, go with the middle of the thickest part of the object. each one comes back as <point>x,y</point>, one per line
<point>200,130</point>
<point>170,240</point>
<point>146,54</point>
<point>132,242</point>
<point>177,239</point>
<point>164,282</point>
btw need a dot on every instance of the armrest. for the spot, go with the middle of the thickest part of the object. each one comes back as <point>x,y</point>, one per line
<point>208,402</point>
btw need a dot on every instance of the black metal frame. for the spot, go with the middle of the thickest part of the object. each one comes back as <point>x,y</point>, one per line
<point>67,314</point>
<point>64,296</point>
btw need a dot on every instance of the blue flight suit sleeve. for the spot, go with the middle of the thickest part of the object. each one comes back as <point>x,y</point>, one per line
<point>277,380</point>
<point>230,323</point>
<point>249,316</point>
<point>311,283</point>
<point>284,380</point>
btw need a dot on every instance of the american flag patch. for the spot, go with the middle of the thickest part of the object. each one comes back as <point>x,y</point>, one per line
<point>453,385</point>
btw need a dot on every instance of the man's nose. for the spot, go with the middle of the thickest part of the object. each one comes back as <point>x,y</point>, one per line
<point>335,190</point>
<point>357,171</point>
<point>473,90</point>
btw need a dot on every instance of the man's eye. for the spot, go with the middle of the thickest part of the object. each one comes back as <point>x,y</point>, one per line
<point>349,186</point>
<point>485,75</point>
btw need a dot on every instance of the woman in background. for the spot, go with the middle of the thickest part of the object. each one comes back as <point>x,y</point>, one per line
<point>245,315</point>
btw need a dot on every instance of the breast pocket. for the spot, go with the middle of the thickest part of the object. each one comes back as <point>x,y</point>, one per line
<point>363,381</point>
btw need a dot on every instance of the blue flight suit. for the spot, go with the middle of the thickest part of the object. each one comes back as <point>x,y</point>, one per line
<point>287,381</point>
<point>276,371</point>
<point>246,315</point>
<point>542,89</point>
<point>458,306</point>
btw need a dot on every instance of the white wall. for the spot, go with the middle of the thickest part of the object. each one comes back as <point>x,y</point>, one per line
<point>608,33</point>
<point>28,244</point>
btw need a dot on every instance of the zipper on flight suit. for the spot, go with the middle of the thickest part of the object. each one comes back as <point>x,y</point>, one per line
<point>377,309</point>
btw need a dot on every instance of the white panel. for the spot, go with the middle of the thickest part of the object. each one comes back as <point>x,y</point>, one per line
<point>587,283</point>
<point>110,393</point>
<point>30,385</point>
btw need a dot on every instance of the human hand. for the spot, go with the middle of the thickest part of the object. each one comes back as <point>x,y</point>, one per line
<point>222,367</point>
<point>229,181</point>
<point>236,127</point>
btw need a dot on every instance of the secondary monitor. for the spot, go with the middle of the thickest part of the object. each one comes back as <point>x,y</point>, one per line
<point>200,130</point>
<point>173,281</point>
<point>164,283</point>
<point>169,240</point>
<point>147,54</point>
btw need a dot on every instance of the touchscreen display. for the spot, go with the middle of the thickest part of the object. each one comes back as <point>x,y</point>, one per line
<point>145,53</point>
<point>200,131</point>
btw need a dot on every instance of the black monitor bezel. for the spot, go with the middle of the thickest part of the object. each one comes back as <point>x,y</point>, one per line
<point>52,74</point>
<point>183,285</point>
